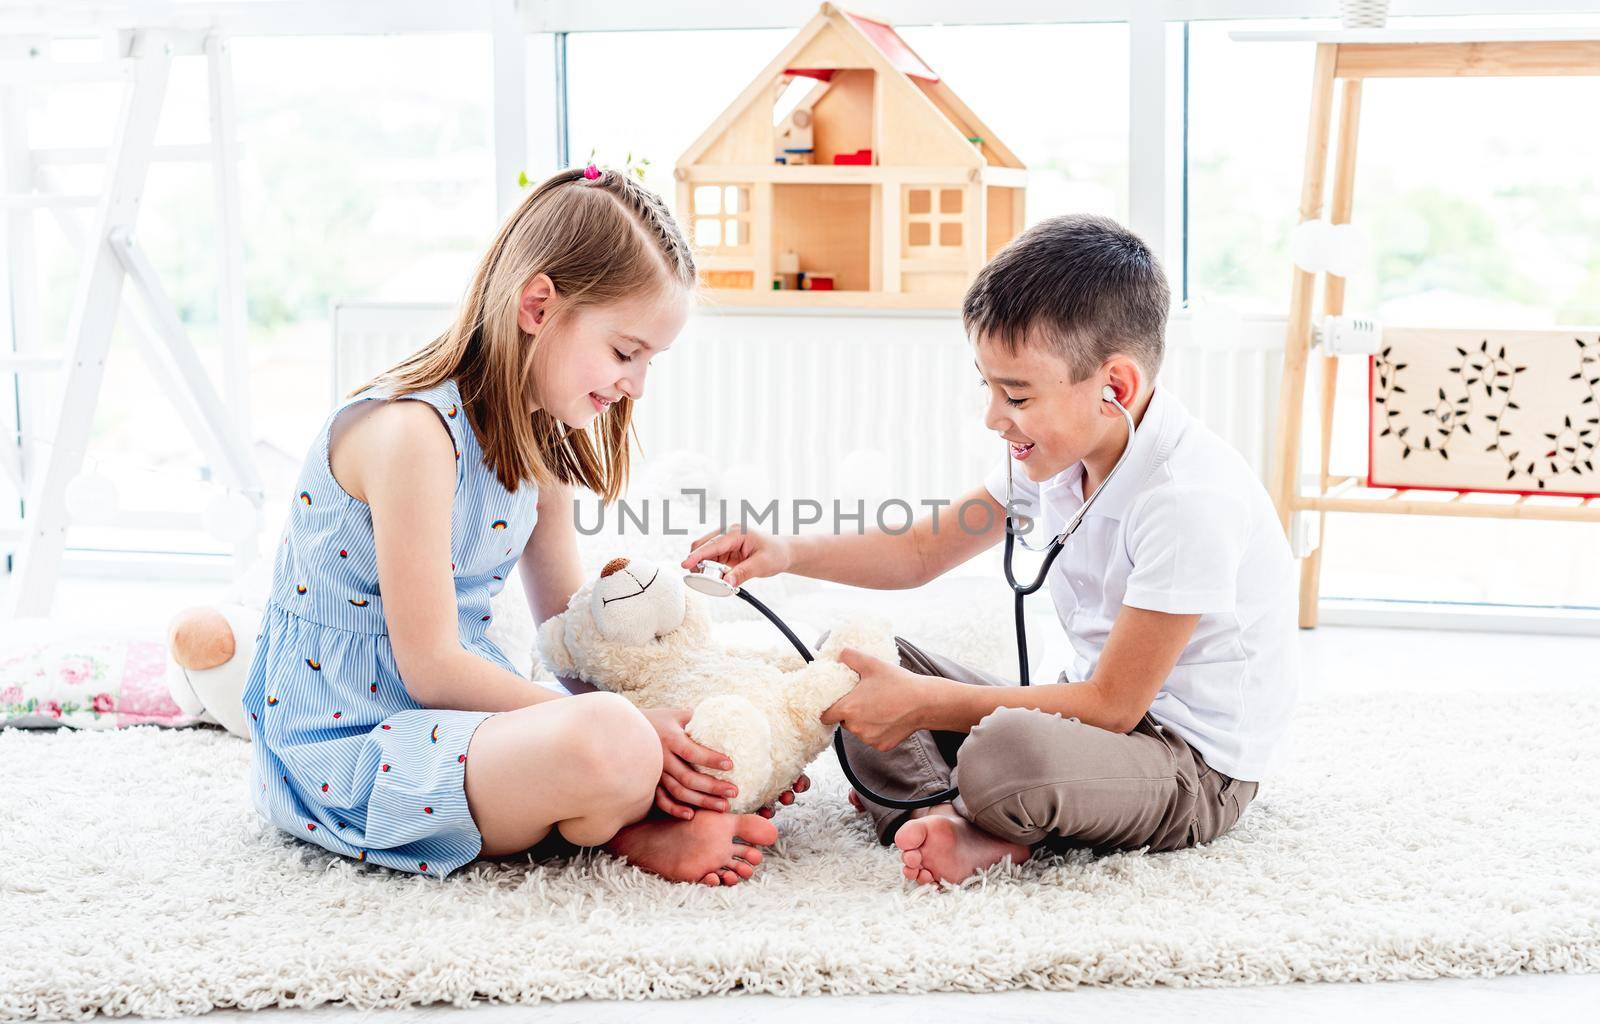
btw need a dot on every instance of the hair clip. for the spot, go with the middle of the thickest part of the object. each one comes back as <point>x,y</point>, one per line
<point>591,172</point>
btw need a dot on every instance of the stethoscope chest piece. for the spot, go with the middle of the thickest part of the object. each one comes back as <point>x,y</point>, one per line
<point>707,579</point>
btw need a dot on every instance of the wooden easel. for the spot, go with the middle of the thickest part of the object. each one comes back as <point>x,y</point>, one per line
<point>141,60</point>
<point>1351,58</point>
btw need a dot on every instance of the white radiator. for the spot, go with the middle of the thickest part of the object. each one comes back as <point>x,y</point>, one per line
<point>370,337</point>
<point>1231,384</point>
<point>844,406</point>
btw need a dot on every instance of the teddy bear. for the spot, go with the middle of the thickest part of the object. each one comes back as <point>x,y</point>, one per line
<point>637,631</point>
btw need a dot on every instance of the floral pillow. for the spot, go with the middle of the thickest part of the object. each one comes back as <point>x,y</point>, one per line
<point>54,674</point>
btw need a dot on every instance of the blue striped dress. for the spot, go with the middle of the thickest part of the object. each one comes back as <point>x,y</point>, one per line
<point>344,757</point>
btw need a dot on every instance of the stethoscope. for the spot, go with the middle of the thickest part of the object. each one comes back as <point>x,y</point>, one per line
<point>707,579</point>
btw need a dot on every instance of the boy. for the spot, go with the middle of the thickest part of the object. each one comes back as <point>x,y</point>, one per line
<point>1177,591</point>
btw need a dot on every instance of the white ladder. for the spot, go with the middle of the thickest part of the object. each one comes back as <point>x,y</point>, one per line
<point>142,59</point>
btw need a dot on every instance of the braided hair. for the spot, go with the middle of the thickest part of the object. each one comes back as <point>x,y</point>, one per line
<point>653,218</point>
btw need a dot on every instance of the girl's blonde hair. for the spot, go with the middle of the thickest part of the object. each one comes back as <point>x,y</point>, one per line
<point>599,240</point>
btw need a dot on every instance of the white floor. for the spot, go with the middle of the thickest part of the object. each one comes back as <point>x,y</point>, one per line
<point>1333,657</point>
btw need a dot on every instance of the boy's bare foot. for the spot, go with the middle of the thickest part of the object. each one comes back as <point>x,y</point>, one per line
<point>941,846</point>
<point>701,849</point>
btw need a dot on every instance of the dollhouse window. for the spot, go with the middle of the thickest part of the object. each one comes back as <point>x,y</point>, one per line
<point>721,216</point>
<point>933,217</point>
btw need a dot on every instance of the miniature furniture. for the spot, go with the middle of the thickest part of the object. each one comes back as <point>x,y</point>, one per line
<point>847,174</point>
<point>1352,57</point>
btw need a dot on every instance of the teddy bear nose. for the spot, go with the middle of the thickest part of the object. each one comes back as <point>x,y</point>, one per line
<point>614,566</point>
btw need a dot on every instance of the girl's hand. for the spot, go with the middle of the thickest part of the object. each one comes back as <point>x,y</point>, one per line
<point>683,787</point>
<point>748,556</point>
<point>786,798</point>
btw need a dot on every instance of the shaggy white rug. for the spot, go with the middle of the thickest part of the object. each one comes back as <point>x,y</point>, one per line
<point>1417,836</point>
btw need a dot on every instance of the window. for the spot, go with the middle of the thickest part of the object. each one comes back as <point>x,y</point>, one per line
<point>722,217</point>
<point>651,94</point>
<point>1013,76</point>
<point>368,173</point>
<point>1057,95</point>
<point>1478,202</point>
<point>933,216</point>
<point>365,172</point>
<point>1488,212</point>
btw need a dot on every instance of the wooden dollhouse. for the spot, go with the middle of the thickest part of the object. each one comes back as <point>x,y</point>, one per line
<point>847,174</point>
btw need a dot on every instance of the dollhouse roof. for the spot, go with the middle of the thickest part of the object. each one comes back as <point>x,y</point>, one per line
<point>887,41</point>
<point>916,98</point>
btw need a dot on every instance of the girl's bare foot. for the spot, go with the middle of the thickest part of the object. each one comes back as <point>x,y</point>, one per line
<point>701,849</point>
<point>941,846</point>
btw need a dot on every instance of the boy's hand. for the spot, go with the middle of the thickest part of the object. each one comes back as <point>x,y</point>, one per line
<point>749,556</point>
<point>682,787</point>
<point>885,707</point>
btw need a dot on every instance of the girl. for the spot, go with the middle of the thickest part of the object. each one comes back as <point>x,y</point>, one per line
<point>387,727</point>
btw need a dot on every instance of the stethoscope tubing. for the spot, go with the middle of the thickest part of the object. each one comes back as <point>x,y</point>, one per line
<point>1019,591</point>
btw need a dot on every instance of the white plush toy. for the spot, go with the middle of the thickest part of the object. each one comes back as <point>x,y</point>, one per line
<point>639,632</point>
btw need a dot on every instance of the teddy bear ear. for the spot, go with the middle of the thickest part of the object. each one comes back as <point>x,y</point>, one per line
<point>553,646</point>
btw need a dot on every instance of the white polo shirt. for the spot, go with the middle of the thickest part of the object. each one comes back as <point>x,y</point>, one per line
<point>1184,528</point>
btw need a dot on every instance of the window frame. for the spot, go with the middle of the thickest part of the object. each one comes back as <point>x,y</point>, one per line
<point>1158,142</point>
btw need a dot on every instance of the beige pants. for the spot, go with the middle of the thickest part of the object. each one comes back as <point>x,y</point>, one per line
<point>1033,778</point>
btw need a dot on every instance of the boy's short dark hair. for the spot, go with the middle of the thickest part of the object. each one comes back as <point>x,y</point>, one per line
<point>1084,286</point>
